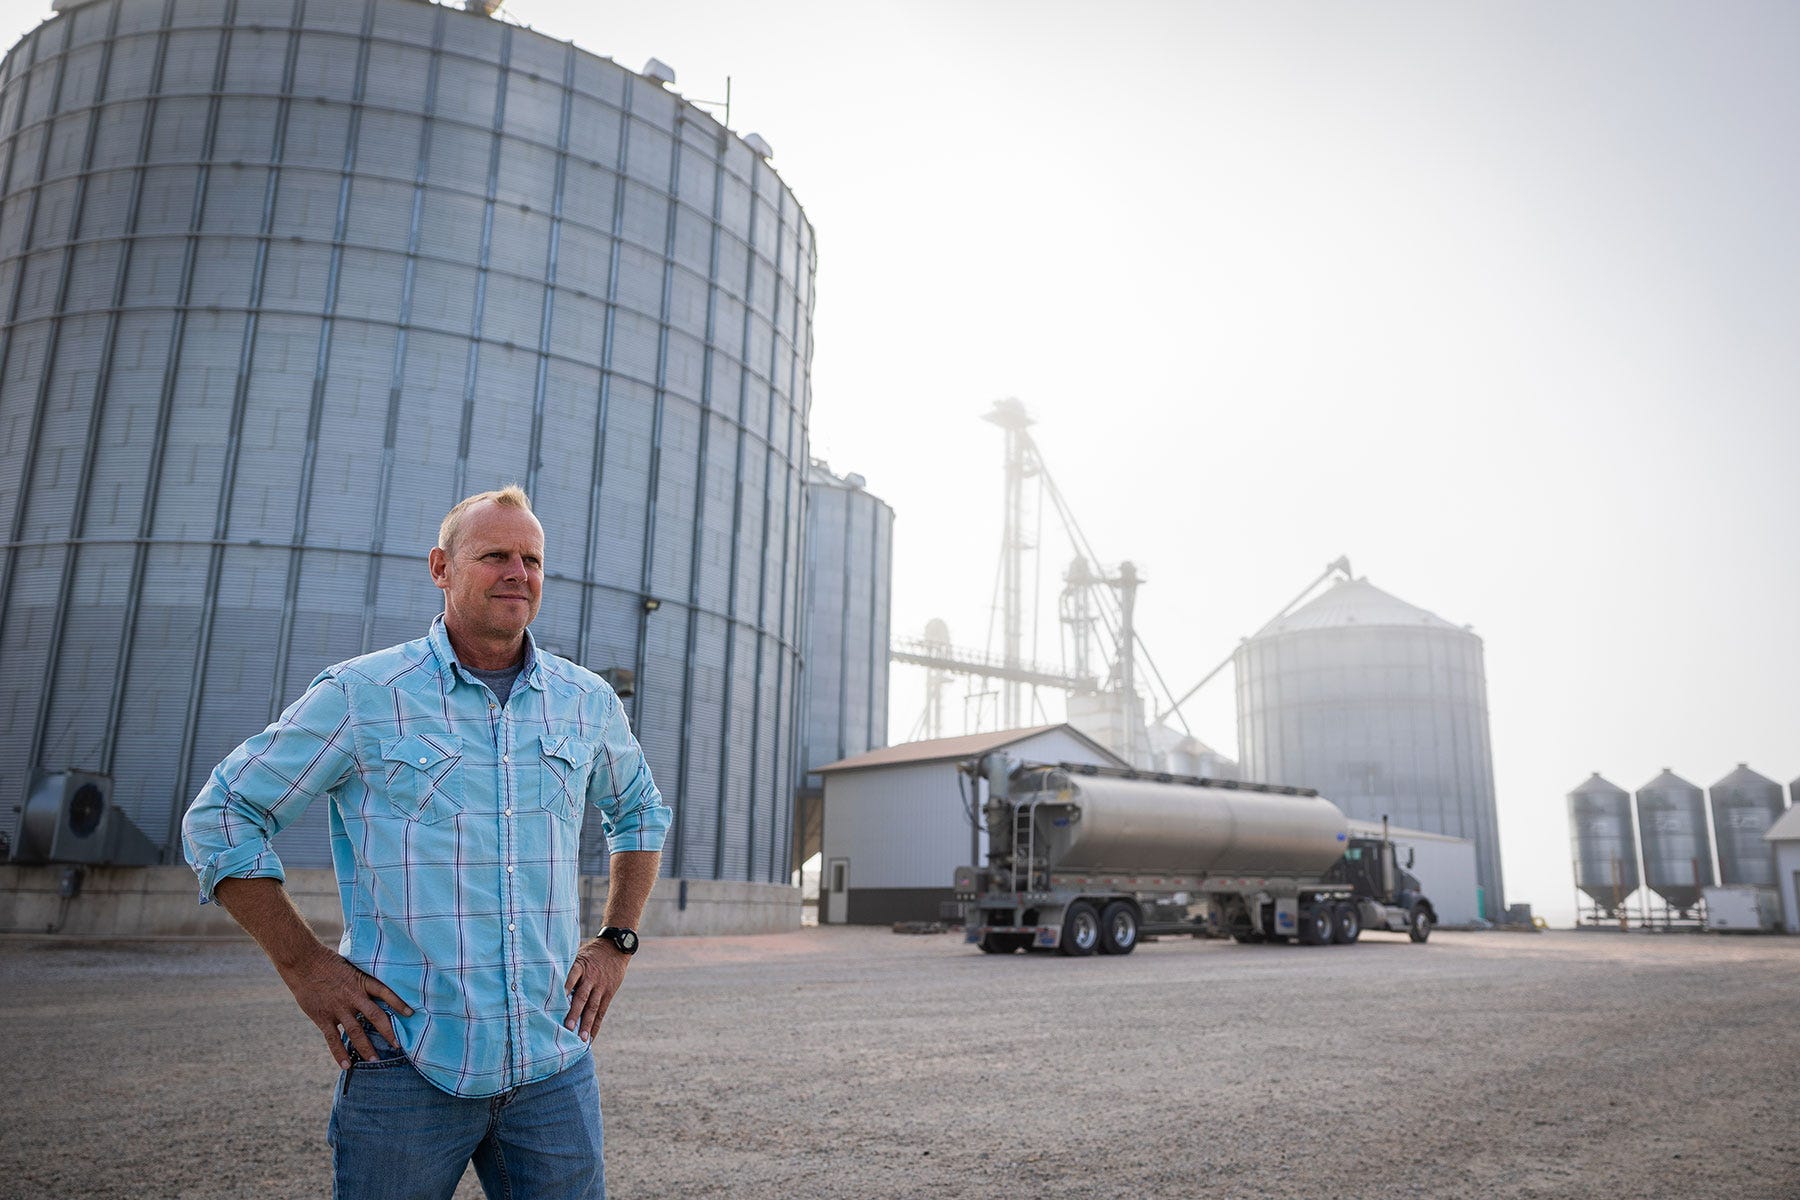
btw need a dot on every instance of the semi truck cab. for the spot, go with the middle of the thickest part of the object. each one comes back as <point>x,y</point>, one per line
<point>1387,893</point>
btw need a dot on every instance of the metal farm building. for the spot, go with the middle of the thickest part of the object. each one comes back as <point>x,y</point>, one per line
<point>281,280</point>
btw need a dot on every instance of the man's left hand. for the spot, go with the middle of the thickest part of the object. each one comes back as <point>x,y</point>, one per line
<point>593,981</point>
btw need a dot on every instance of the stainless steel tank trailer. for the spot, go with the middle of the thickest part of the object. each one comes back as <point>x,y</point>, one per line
<point>1084,859</point>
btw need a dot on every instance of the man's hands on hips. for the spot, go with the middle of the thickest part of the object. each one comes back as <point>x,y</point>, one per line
<point>332,991</point>
<point>593,981</point>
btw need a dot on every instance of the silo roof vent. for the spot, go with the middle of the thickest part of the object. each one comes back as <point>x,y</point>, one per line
<point>757,143</point>
<point>659,71</point>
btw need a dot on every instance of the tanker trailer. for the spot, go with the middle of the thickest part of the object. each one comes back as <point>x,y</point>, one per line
<point>1084,859</point>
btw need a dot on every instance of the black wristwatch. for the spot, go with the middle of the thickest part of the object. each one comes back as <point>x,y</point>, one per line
<point>625,939</point>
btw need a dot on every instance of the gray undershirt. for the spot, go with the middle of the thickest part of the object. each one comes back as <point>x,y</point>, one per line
<point>499,682</point>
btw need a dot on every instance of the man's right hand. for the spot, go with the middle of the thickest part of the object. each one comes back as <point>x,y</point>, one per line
<point>328,987</point>
<point>333,992</point>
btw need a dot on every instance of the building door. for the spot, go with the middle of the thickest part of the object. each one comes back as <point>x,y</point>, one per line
<point>837,891</point>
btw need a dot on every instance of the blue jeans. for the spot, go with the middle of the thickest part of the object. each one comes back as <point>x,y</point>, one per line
<point>394,1136</point>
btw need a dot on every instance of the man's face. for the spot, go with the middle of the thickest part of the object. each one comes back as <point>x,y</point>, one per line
<point>493,579</point>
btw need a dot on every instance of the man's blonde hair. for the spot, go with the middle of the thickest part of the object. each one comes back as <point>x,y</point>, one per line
<point>510,496</point>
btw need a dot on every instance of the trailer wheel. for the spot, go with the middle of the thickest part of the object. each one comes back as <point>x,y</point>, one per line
<point>1420,927</point>
<point>1346,924</point>
<point>1315,925</point>
<point>1118,928</point>
<point>1081,930</point>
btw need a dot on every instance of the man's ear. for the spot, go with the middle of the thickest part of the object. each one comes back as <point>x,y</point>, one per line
<point>440,564</point>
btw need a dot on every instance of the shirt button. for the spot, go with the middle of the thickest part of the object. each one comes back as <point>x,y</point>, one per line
<point>509,868</point>
<point>510,927</point>
<point>506,758</point>
<point>421,762</point>
<point>508,812</point>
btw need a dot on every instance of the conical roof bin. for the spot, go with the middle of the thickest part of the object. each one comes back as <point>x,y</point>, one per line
<point>1677,850</point>
<point>1605,847</point>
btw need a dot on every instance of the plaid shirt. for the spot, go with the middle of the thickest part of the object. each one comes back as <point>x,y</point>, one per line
<point>455,832</point>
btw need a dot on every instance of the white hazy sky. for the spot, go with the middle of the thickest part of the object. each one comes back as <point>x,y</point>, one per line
<point>1502,300</point>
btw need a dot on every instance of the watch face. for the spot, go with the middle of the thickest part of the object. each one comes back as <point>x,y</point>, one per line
<point>627,940</point>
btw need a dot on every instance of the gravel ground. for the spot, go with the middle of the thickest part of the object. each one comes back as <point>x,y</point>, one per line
<point>859,1063</point>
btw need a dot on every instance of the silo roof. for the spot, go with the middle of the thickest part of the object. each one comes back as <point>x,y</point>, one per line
<point>1744,777</point>
<point>1353,602</point>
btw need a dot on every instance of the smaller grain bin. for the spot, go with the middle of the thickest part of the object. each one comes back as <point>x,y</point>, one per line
<point>1605,847</point>
<point>1677,849</point>
<point>1744,805</point>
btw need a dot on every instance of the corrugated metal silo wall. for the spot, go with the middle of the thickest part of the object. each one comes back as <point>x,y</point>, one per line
<point>281,280</point>
<point>849,562</point>
<point>1382,720</point>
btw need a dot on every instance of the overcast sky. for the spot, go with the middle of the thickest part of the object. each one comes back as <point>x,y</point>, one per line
<point>1499,300</point>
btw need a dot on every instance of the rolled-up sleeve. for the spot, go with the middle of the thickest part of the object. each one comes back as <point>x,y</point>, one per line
<point>264,785</point>
<point>632,813</point>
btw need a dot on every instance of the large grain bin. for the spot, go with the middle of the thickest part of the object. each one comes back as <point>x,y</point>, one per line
<point>1380,706</point>
<point>282,279</point>
<point>849,568</point>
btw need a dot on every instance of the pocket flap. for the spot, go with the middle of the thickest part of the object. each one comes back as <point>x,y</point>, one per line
<point>425,753</point>
<point>568,748</point>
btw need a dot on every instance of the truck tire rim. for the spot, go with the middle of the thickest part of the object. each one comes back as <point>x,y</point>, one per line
<point>1124,930</point>
<point>1087,931</point>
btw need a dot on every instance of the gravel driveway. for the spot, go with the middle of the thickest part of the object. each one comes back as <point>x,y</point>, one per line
<point>859,1063</point>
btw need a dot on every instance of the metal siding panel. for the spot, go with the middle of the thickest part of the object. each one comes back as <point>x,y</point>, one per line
<point>570,397</point>
<point>69,402</point>
<point>521,243</point>
<point>588,200</point>
<point>325,66</point>
<point>624,483</point>
<point>349,449</point>
<point>740,799</point>
<point>502,424</point>
<point>533,114</point>
<point>410,23</point>
<point>24,643</point>
<point>672,567</point>
<point>272,446</point>
<point>706,755</point>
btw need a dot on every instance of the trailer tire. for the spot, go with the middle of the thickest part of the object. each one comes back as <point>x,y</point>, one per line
<point>1419,927</point>
<point>1080,931</point>
<point>1315,925</point>
<point>1118,928</point>
<point>1346,924</point>
<point>999,943</point>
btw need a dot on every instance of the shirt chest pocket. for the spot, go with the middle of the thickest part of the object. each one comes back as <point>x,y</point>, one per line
<point>566,766</point>
<point>424,776</point>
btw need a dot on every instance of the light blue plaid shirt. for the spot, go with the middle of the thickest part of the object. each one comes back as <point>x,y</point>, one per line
<point>455,831</point>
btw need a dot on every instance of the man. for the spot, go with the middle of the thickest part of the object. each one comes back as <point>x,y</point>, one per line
<point>457,768</point>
